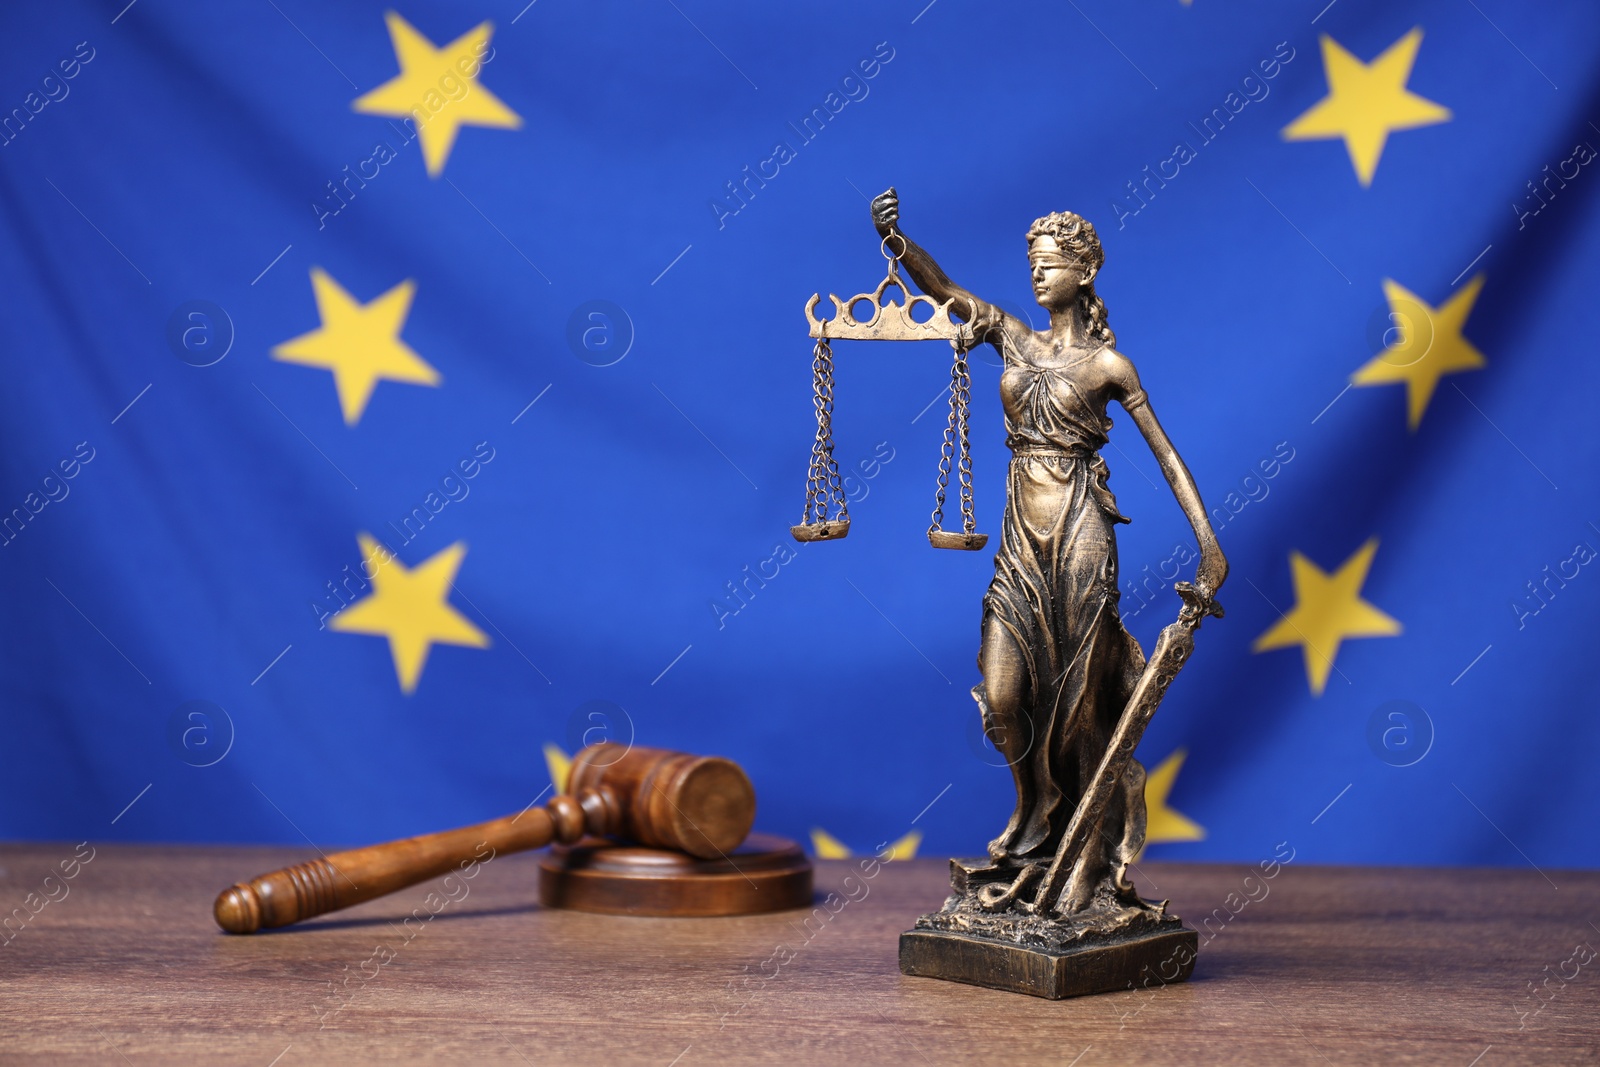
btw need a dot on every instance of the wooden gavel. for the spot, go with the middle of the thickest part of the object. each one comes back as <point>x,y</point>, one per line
<point>701,805</point>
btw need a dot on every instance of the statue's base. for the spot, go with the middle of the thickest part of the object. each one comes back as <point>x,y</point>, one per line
<point>1094,966</point>
<point>1116,943</point>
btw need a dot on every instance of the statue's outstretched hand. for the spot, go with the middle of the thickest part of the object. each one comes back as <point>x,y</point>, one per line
<point>886,211</point>
<point>1199,600</point>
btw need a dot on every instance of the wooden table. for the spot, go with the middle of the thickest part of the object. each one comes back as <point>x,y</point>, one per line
<point>1332,965</point>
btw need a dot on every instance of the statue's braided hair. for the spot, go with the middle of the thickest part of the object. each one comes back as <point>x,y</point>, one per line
<point>1075,236</point>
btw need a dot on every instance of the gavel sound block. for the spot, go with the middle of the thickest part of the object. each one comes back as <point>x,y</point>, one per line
<point>689,815</point>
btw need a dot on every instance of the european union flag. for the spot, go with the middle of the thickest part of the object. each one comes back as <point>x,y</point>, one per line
<point>400,399</point>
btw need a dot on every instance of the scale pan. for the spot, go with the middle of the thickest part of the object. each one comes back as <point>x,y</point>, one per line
<point>832,530</point>
<point>954,539</point>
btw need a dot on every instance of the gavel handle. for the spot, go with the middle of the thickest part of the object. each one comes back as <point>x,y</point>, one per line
<point>343,879</point>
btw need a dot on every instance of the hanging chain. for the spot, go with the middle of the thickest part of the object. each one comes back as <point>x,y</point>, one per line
<point>961,402</point>
<point>956,450</point>
<point>827,514</point>
<point>824,491</point>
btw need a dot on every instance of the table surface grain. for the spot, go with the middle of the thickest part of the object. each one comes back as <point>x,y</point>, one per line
<point>1322,966</point>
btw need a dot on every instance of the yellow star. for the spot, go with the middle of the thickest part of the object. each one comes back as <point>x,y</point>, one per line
<point>1366,102</point>
<point>427,87</point>
<point>828,847</point>
<point>1428,345</point>
<point>559,764</point>
<point>903,849</point>
<point>1164,824</point>
<point>359,343</point>
<point>1328,609</point>
<point>411,608</point>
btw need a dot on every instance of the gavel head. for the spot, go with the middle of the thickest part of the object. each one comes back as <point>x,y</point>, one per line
<point>702,805</point>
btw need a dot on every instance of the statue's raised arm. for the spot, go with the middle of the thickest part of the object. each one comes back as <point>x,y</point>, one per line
<point>929,276</point>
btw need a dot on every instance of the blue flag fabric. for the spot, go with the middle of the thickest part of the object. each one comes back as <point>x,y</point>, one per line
<point>397,400</point>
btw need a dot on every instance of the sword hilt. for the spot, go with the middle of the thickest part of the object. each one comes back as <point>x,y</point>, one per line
<point>1196,605</point>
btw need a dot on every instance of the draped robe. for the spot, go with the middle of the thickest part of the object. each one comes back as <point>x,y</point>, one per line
<point>1054,600</point>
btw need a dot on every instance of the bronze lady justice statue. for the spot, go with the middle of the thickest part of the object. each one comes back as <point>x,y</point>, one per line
<point>1060,673</point>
